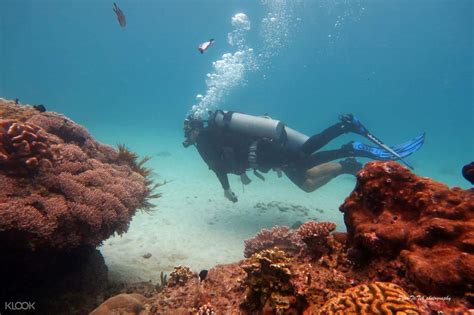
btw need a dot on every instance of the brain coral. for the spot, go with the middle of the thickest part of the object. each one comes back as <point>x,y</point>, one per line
<point>375,298</point>
<point>87,195</point>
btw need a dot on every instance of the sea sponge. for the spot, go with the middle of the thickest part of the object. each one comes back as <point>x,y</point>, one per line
<point>375,298</point>
<point>395,215</point>
<point>25,147</point>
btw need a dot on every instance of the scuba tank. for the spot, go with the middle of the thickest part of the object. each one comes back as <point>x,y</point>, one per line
<point>251,125</point>
<point>294,139</point>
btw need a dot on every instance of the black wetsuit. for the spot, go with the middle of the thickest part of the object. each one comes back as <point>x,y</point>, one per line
<point>227,152</point>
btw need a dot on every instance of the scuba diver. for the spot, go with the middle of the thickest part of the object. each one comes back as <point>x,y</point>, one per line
<point>232,143</point>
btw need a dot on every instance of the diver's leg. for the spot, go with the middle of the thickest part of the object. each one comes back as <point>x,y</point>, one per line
<point>348,123</point>
<point>320,175</point>
<point>319,140</point>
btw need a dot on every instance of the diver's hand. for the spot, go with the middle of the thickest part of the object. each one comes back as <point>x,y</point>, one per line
<point>245,179</point>
<point>229,194</point>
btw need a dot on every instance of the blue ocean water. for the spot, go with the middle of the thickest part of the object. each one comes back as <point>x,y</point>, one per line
<point>403,67</point>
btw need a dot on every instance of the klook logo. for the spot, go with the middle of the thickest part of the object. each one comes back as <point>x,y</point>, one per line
<point>19,306</point>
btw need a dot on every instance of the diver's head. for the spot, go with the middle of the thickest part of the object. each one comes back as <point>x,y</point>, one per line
<point>192,127</point>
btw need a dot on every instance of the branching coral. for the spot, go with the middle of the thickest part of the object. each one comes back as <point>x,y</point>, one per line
<point>279,236</point>
<point>375,298</point>
<point>206,309</point>
<point>24,148</point>
<point>315,236</point>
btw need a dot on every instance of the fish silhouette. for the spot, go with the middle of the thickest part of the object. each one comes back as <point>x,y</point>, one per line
<point>120,15</point>
<point>204,46</point>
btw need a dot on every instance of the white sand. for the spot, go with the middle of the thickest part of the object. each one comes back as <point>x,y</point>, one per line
<point>195,225</point>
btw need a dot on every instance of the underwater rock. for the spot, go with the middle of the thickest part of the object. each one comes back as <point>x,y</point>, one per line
<point>392,215</point>
<point>130,304</point>
<point>86,195</point>
<point>71,282</point>
<point>375,298</point>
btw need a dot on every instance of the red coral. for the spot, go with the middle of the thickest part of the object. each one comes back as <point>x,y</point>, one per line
<point>24,147</point>
<point>84,197</point>
<point>394,214</point>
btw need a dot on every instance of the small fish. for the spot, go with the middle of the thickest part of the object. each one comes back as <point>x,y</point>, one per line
<point>40,108</point>
<point>17,101</point>
<point>204,46</point>
<point>120,15</point>
<point>468,172</point>
<point>202,275</point>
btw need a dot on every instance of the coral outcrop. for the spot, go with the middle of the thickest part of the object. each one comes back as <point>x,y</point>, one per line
<point>374,298</point>
<point>393,215</point>
<point>59,188</point>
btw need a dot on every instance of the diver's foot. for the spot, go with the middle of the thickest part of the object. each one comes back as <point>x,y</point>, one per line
<point>350,166</point>
<point>351,124</point>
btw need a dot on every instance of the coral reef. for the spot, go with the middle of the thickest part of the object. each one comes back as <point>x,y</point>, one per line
<point>24,148</point>
<point>374,298</point>
<point>268,281</point>
<point>315,236</point>
<point>85,194</point>
<point>397,224</point>
<point>180,275</point>
<point>10,110</point>
<point>393,215</point>
<point>279,236</point>
<point>206,309</point>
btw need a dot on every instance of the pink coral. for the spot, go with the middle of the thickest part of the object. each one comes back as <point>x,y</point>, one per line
<point>279,236</point>
<point>84,198</point>
<point>315,236</point>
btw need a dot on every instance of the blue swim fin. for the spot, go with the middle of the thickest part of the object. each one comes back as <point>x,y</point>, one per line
<point>403,150</point>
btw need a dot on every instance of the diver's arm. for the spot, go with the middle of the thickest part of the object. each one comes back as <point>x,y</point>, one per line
<point>228,193</point>
<point>222,176</point>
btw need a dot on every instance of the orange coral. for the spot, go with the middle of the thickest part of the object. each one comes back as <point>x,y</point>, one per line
<point>375,298</point>
<point>24,147</point>
<point>393,214</point>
